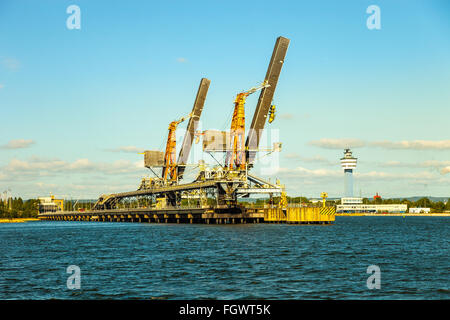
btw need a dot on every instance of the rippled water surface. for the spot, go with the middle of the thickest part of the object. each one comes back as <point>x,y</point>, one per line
<point>258,261</point>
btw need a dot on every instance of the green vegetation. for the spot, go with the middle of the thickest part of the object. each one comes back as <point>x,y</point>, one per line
<point>17,208</point>
<point>438,206</point>
<point>71,205</point>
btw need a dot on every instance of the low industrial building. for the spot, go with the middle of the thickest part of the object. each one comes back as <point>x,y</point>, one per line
<point>419,210</point>
<point>355,205</point>
<point>50,204</point>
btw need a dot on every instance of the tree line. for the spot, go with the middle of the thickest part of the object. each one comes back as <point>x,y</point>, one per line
<point>17,208</point>
<point>435,206</point>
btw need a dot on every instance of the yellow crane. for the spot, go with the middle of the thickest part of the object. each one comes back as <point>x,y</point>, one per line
<point>236,157</point>
<point>170,158</point>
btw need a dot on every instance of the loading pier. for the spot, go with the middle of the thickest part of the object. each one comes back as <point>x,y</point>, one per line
<point>218,191</point>
<point>291,215</point>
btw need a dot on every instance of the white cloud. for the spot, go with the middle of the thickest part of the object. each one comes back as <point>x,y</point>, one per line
<point>181,60</point>
<point>413,145</point>
<point>330,143</point>
<point>18,144</point>
<point>445,170</point>
<point>394,163</point>
<point>286,116</point>
<point>327,143</point>
<point>36,167</point>
<point>16,165</point>
<point>43,185</point>
<point>81,165</point>
<point>128,149</point>
<point>300,172</point>
<point>313,159</point>
<point>11,64</point>
<point>424,164</point>
<point>80,178</point>
<point>290,116</point>
<point>435,163</point>
<point>292,155</point>
<point>379,175</point>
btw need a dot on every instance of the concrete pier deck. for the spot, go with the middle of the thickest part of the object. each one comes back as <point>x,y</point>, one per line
<point>196,215</point>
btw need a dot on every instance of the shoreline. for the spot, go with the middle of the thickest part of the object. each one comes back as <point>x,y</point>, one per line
<point>18,220</point>
<point>393,214</point>
<point>23,220</point>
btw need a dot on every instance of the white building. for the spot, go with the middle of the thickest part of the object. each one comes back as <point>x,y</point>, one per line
<point>50,204</point>
<point>419,210</point>
<point>347,201</point>
<point>355,205</point>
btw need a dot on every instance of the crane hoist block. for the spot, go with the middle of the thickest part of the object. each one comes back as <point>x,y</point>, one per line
<point>271,113</point>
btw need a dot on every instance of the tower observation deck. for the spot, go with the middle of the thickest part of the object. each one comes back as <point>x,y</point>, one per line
<point>348,163</point>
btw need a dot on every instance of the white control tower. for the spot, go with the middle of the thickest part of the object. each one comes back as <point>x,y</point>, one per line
<point>348,163</point>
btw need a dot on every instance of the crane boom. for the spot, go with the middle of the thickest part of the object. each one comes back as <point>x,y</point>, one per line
<point>265,98</point>
<point>192,126</point>
<point>170,164</point>
<point>236,157</point>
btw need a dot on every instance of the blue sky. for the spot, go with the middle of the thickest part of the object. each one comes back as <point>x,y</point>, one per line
<point>77,105</point>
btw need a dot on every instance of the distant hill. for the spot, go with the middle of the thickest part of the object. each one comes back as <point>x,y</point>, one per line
<point>434,199</point>
<point>253,200</point>
<point>415,198</point>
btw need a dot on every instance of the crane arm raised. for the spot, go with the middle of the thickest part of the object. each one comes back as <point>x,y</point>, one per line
<point>192,126</point>
<point>265,98</point>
